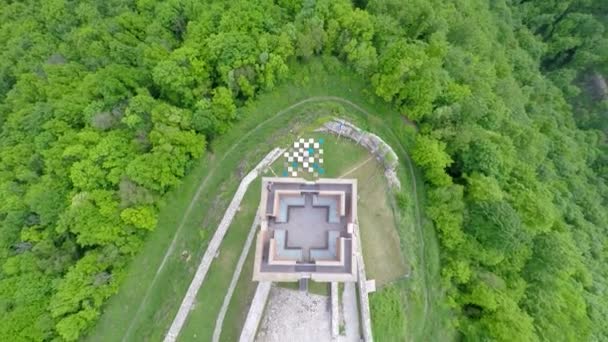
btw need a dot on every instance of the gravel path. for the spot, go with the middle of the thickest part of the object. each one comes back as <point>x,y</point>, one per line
<point>295,316</point>
<point>351,314</point>
<point>335,310</point>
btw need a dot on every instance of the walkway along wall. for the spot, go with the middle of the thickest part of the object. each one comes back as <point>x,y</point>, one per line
<point>256,311</point>
<point>214,244</point>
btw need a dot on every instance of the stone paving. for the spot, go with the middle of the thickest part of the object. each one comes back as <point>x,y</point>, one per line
<point>295,316</point>
<point>351,314</point>
<point>335,310</point>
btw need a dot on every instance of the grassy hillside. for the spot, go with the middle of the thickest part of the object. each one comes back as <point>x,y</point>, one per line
<point>107,109</point>
<point>272,120</point>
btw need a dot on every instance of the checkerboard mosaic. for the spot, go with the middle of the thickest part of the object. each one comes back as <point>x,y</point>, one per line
<point>304,156</point>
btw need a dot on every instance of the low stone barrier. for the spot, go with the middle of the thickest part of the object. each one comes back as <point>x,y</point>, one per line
<point>256,310</point>
<point>214,244</point>
<point>235,278</point>
<point>366,321</point>
<point>335,310</point>
<point>373,143</point>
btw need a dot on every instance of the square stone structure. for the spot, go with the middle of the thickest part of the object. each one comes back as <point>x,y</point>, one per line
<point>307,230</point>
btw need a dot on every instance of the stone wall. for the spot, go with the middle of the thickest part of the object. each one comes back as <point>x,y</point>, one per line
<point>371,142</point>
<point>214,245</point>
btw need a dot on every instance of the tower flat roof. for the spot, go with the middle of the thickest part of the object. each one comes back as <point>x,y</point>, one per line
<point>306,230</point>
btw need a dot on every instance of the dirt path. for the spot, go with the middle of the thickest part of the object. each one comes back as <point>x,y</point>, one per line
<point>243,138</point>
<point>356,167</point>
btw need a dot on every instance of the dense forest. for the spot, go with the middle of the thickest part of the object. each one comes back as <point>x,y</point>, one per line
<point>104,105</point>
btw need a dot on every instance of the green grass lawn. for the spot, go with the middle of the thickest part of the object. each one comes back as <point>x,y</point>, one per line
<point>201,320</point>
<point>150,296</point>
<point>380,239</point>
<point>313,287</point>
<point>240,302</point>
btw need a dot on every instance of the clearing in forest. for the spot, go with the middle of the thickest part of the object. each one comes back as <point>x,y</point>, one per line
<point>159,276</point>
